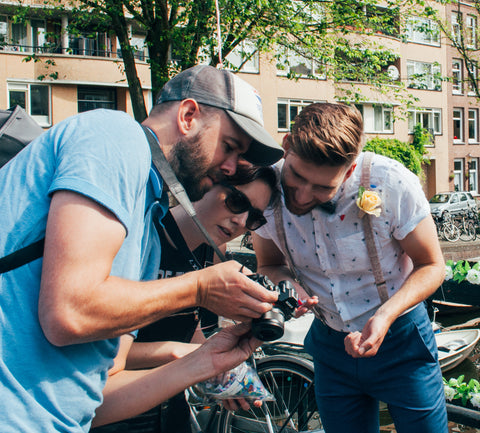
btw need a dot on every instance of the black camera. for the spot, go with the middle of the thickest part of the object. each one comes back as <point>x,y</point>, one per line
<point>270,325</point>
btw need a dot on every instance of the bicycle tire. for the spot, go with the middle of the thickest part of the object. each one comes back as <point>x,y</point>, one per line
<point>451,232</point>
<point>468,232</point>
<point>290,380</point>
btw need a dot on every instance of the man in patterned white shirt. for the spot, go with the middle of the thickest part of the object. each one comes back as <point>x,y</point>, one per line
<point>368,346</point>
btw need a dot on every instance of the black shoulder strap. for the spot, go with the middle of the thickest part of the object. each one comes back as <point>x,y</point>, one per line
<point>171,228</point>
<point>22,256</point>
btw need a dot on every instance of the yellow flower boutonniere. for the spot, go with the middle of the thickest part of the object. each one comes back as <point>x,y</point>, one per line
<point>369,201</point>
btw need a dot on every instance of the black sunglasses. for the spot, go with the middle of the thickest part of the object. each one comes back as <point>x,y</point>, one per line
<point>237,202</point>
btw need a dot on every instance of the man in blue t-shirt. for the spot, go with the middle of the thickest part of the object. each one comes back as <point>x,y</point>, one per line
<point>87,185</point>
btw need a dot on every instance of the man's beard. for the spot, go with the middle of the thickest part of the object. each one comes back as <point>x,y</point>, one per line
<point>189,162</point>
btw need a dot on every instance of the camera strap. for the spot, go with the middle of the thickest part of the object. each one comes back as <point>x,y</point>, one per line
<point>175,187</point>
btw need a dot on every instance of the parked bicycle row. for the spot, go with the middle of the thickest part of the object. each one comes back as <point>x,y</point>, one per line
<point>462,225</point>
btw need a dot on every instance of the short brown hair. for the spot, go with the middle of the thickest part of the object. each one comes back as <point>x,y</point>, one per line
<point>327,134</point>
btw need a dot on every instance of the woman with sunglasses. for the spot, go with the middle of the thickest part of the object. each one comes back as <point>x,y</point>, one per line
<point>227,211</point>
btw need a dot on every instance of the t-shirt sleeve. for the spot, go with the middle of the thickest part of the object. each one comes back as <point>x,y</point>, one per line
<point>404,200</point>
<point>100,155</point>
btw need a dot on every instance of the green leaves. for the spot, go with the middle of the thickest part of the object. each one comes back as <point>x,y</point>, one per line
<point>458,271</point>
<point>457,389</point>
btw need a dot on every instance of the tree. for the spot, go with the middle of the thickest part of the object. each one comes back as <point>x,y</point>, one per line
<point>325,33</point>
<point>411,155</point>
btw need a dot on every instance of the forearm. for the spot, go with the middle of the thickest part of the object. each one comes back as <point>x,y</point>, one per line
<point>112,308</point>
<point>130,393</point>
<point>421,283</point>
<point>154,354</point>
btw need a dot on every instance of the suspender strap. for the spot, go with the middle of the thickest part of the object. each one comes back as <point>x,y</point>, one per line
<point>369,235</point>
<point>175,187</point>
<point>278,214</point>
<point>22,256</point>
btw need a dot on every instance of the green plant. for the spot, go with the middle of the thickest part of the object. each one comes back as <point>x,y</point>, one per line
<point>462,270</point>
<point>457,389</point>
<point>410,156</point>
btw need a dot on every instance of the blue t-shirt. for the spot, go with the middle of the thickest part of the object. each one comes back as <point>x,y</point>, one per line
<point>105,156</point>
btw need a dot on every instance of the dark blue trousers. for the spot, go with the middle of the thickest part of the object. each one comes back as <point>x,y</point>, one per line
<point>404,374</point>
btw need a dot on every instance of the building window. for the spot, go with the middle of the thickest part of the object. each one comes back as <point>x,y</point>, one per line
<point>139,48</point>
<point>458,174</point>
<point>473,175</point>
<point>33,98</point>
<point>422,75</point>
<point>423,31</point>
<point>457,76</point>
<point>429,118</point>
<point>244,57</point>
<point>294,64</point>
<point>377,118</point>
<point>38,35</point>
<point>456,29</point>
<point>3,31</point>
<point>287,109</point>
<point>472,78</point>
<point>473,125</point>
<point>94,44</point>
<point>458,125</point>
<point>471,32</point>
<point>91,98</point>
<point>19,36</point>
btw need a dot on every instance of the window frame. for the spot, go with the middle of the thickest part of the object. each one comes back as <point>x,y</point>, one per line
<point>429,37</point>
<point>471,31</point>
<point>433,116</point>
<point>459,138</point>
<point>287,55</point>
<point>98,103</point>
<point>457,76</point>
<point>42,120</point>
<point>458,178</point>
<point>290,103</point>
<point>245,49</point>
<point>473,121</point>
<point>420,79</point>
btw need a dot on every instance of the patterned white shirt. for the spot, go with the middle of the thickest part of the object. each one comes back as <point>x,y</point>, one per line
<point>330,253</point>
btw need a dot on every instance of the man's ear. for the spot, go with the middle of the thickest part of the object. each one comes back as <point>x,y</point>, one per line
<point>187,115</point>
<point>350,171</point>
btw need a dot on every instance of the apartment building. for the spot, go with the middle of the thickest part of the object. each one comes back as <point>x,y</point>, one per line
<point>67,74</point>
<point>54,75</point>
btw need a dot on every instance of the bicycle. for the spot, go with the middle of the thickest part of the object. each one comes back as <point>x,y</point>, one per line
<point>466,225</point>
<point>448,229</point>
<point>287,373</point>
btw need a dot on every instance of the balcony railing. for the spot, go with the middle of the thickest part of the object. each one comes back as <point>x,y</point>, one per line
<point>54,49</point>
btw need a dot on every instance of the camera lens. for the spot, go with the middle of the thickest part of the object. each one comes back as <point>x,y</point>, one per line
<point>270,326</point>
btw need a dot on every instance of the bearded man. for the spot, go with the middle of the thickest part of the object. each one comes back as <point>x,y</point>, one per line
<point>88,187</point>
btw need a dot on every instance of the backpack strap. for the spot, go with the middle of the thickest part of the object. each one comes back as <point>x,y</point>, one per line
<point>22,256</point>
<point>369,235</point>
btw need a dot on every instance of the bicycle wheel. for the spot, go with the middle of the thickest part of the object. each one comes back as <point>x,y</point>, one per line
<point>451,232</point>
<point>290,380</point>
<point>469,232</point>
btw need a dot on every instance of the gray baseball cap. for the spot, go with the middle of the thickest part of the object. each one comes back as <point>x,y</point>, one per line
<point>225,90</point>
